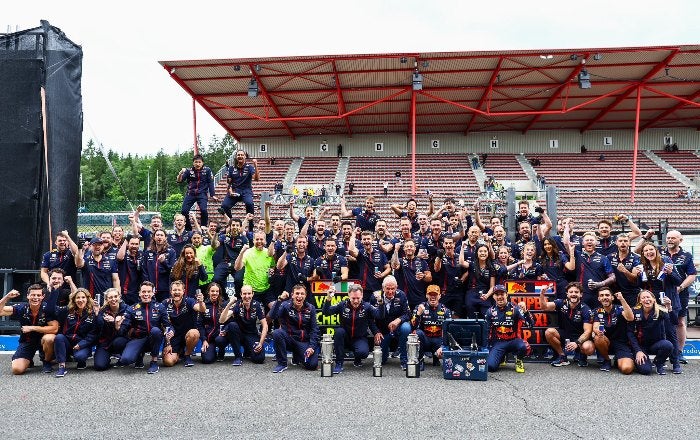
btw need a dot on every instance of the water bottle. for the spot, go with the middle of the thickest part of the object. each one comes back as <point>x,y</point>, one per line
<point>230,287</point>
<point>566,342</point>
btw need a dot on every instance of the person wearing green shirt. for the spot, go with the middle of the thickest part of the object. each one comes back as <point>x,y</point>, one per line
<point>258,265</point>
<point>205,254</point>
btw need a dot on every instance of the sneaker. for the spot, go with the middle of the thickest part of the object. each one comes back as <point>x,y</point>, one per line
<point>279,368</point>
<point>139,363</point>
<point>404,365</point>
<point>47,368</point>
<point>682,359</point>
<point>357,363</point>
<point>519,366</point>
<point>61,372</point>
<point>422,365</point>
<point>220,210</point>
<point>81,365</point>
<point>660,370</point>
<point>503,362</point>
<point>338,368</point>
<point>560,361</point>
<point>153,367</point>
<point>237,362</point>
<point>582,361</point>
<point>605,366</point>
<point>188,362</point>
<point>394,354</point>
<point>677,369</point>
<point>295,360</point>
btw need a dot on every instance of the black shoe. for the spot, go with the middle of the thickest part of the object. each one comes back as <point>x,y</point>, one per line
<point>220,210</point>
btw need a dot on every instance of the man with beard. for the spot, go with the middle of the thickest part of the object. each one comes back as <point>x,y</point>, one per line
<point>129,269</point>
<point>575,326</point>
<point>240,177</point>
<point>200,181</point>
<point>372,264</point>
<point>365,219</point>
<point>62,257</point>
<point>623,262</point>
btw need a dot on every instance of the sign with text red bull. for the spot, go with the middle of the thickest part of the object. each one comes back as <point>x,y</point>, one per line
<point>528,292</point>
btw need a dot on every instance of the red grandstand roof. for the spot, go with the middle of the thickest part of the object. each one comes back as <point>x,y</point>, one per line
<point>461,91</point>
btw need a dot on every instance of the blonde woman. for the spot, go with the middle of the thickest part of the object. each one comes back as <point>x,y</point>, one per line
<point>651,333</point>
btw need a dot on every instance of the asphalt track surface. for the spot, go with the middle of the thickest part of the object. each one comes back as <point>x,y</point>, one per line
<point>221,401</point>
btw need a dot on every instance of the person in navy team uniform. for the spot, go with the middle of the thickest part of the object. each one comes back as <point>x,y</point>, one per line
<point>37,322</point>
<point>575,326</point>
<point>356,318</point>
<point>610,331</point>
<point>213,340</point>
<point>396,322</point>
<point>372,264</point>
<point>77,334</point>
<point>241,327</point>
<point>145,324</point>
<point>200,183</point>
<point>623,263</point>
<point>189,270</point>
<point>296,264</point>
<point>99,271</point>
<point>298,330</point>
<point>183,313</point>
<point>62,257</point>
<point>505,322</point>
<point>109,319</point>
<point>593,270</point>
<point>411,272</point>
<point>179,236</point>
<point>365,219</point>
<point>428,318</point>
<point>138,229</point>
<point>157,262</point>
<point>650,333</point>
<point>450,276</point>
<point>661,277</point>
<point>240,179</point>
<point>129,259</point>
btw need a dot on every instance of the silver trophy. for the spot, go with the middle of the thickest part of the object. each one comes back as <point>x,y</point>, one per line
<point>412,347</point>
<point>377,361</point>
<point>327,355</point>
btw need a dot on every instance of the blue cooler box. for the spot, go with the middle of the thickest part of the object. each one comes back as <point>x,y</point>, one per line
<point>465,364</point>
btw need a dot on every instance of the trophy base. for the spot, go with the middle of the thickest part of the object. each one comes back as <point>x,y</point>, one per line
<point>326,370</point>
<point>377,371</point>
<point>412,370</point>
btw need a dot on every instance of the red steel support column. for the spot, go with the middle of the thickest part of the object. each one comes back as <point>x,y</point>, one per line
<point>413,142</point>
<point>194,123</point>
<point>636,141</point>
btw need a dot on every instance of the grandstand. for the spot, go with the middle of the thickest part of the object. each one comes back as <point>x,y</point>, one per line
<point>589,189</point>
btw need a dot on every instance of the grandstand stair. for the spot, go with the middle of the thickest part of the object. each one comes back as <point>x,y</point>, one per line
<point>479,173</point>
<point>527,167</point>
<point>668,168</point>
<point>341,173</point>
<point>292,173</point>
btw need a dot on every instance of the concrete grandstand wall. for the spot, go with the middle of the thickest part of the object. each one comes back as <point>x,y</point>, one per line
<point>508,142</point>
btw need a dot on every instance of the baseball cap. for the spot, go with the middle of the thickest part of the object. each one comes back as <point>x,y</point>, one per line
<point>433,289</point>
<point>96,240</point>
<point>499,288</point>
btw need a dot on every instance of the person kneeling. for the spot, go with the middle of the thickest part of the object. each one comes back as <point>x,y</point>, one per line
<point>504,322</point>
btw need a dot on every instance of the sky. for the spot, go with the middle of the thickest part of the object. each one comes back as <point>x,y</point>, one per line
<point>131,105</point>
